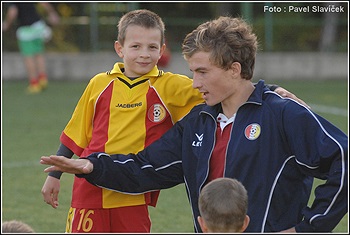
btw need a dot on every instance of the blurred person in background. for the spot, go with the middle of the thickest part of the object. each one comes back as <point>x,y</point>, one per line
<point>32,33</point>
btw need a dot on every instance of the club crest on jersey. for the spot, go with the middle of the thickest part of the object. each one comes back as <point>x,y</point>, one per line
<point>156,113</point>
<point>252,131</point>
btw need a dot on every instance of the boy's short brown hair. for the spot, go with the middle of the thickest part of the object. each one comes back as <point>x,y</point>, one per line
<point>223,204</point>
<point>15,226</point>
<point>142,17</point>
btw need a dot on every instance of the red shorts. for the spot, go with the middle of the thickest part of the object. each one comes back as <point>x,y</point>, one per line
<point>131,219</point>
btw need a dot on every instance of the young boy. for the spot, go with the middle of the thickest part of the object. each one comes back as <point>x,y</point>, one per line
<point>275,146</point>
<point>122,111</point>
<point>223,205</point>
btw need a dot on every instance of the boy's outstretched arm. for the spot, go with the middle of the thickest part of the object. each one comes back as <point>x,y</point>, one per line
<point>72,166</point>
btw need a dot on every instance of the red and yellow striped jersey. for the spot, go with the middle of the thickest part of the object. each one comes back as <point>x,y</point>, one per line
<point>116,114</point>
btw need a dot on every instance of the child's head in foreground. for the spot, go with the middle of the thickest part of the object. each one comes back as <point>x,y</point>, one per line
<point>15,226</point>
<point>223,205</point>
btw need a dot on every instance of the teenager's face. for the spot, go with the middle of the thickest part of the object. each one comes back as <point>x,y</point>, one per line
<point>216,84</point>
<point>141,50</point>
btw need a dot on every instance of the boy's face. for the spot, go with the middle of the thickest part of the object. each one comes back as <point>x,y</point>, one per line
<point>216,84</point>
<point>141,50</point>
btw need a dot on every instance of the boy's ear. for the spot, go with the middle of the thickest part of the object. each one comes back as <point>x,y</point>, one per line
<point>118,48</point>
<point>162,49</point>
<point>202,224</point>
<point>245,223</point>
<point>236,68</point>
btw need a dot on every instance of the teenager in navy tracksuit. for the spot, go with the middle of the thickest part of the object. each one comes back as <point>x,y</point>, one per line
<point>273,145</point>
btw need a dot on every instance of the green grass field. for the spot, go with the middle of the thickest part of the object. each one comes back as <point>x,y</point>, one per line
<point>32,124</point>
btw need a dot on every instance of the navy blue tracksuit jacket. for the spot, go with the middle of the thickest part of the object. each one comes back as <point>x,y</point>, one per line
<point>277,147</point>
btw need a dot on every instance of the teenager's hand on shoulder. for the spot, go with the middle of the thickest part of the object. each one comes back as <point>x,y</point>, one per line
<point>284,93</point>
<point>72,166</point>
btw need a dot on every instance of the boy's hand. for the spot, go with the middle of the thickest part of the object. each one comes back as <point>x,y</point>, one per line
<point>284,93</point>
<point>72,166</point>
<point>50,191</point>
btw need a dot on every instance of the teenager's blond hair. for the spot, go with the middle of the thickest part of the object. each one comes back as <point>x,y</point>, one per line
<point>234,42</point>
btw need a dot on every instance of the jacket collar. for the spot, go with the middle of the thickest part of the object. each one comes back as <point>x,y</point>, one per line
<point>255,98</point>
